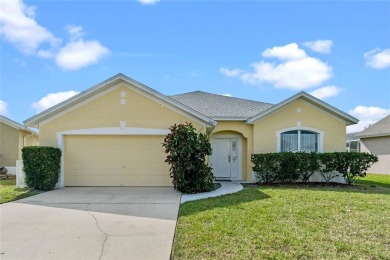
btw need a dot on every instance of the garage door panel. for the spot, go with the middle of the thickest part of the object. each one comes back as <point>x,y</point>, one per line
<point>115,161</point>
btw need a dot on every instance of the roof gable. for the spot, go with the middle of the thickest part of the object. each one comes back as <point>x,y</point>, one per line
<point>349,120</point>
<point>380,128</point>
<point>105,85</point>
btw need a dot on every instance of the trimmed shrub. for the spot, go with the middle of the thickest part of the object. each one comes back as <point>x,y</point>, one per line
<point>187,151</point>
<point>328,165</point>
<point>352,165</point>
<point>41,165</point>
<point>288,170</point>
<point>290,167</point>
<point>308,164</point>
<point>266,167</point>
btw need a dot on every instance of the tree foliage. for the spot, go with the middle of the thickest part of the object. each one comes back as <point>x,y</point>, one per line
<point>186,154</point>
<point>41,165</point>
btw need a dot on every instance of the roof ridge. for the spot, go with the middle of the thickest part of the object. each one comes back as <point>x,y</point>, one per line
<point>220,95</point>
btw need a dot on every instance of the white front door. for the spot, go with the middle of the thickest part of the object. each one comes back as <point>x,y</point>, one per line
<point>225,158</point>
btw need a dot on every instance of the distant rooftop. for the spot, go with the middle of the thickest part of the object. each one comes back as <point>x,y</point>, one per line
<point>352,136</point>
<point>220,106</point>
<point>380,128</point>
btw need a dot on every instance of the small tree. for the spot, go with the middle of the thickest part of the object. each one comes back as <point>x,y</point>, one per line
<point>187,151</point>
<point>352,165</point>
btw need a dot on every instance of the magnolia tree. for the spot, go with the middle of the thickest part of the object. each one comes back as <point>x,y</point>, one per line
<point>186,154</point>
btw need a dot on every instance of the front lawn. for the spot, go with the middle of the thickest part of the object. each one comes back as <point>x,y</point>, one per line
<point>8,192</point>
<point>271,222</point>
<point>375,179</point>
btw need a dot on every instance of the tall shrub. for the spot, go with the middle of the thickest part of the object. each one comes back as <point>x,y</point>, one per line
<point>266,167</point>
<point>186,154</point>
<point>288,167</point>
<point>352,165</point>
<point>308,164</point>
<point>328,164</point>
<point>41,165</point>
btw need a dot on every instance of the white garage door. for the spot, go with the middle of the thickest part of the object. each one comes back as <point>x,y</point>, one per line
<point>115,161</point>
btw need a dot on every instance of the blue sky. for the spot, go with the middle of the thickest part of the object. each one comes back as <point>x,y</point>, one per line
<point>260,50</point>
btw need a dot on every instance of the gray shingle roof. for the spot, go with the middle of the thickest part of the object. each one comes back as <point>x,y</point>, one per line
<point>219,106</point>
<point>380,128</point>
<point>352,136</point>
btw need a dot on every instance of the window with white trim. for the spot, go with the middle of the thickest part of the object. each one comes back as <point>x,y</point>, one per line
<point>299,140</point>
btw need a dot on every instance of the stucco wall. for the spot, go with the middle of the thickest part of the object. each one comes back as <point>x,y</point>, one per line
<point>26,139</point>
<point>9,142</point>
<point>379,146</point>
<point>107,111</point>
<point>265,138</point>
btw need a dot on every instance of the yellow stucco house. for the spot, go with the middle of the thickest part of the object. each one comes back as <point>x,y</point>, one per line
<point>111,134</point>
<point>13,137</point>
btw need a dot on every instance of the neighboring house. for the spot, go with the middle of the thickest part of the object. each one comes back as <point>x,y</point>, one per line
<point>112,133</point>
<point>352,142</point>
<point>13,137</point>
<point>376,139</point>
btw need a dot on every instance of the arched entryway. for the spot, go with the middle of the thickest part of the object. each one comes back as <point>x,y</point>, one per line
<point>227,156</point>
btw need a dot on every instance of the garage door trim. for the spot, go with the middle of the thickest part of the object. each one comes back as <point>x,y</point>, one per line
<point>101,131</point>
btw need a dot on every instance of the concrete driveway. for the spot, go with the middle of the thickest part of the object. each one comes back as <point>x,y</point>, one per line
<point>91,223</point>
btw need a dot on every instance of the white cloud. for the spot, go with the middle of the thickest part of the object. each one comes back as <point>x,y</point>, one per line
<point>230,73</point>
<point>326,92</point>
<point>75,32</point>
<point>79,53</point>
<point>227,95</point>
<point>321,46</point>
<point>148,2</point>
<point>296,71</point>
<point>295,74</point>
<point>18,26</point>
<point>52,99</point>
<point>287,52</point>
<point>367,116</point>
<point>378,59</point>
<point>3,108</point>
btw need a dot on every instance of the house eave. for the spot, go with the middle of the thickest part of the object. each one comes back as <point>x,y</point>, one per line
<point>372,135</point>
<point>16,125</point>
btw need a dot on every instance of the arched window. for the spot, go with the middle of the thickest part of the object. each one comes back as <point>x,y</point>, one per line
<point>299,140</point>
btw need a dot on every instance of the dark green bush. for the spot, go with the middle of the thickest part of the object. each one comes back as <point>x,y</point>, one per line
<point>41,165</point>
<point>290,167</point>
<point>187,151</point>
<point>308,164</point>
<point>288,170</point>
<point>352,165</point>
<point>266,167</point>
<point>328,165</point>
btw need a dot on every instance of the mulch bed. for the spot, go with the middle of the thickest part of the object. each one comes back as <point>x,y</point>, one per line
<point>7,177</point>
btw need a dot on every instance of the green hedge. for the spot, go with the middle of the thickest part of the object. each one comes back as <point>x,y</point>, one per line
<point>291,167</point>
<point>41,165</point>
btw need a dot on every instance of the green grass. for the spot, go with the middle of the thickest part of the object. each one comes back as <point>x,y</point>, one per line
<point>375,179</point>
<point>287,223</point>
<point>8,192</point>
